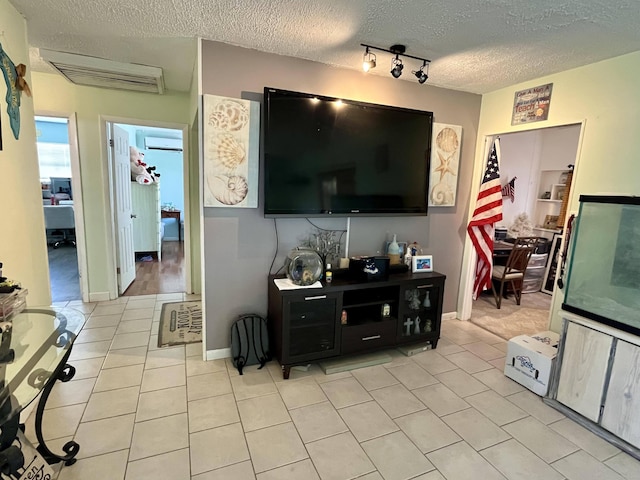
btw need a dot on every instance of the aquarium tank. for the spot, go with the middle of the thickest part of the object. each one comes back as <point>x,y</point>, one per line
<point>603,280</point>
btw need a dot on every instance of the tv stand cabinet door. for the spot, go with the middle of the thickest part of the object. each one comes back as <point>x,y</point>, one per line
<point>310,324</point>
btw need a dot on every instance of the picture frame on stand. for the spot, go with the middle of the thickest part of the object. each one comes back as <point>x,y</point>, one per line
<point>422,263</point>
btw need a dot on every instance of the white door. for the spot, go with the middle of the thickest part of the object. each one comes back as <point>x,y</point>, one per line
<point>125,255</point>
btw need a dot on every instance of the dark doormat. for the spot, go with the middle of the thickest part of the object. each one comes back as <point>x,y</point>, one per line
<point>180,323</point>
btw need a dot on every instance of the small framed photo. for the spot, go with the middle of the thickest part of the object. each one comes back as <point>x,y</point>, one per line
<point>422,263</point>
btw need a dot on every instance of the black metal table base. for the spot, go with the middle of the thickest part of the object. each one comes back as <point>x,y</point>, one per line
<point>64,373</point>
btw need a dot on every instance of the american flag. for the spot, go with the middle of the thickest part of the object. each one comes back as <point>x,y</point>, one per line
<point>481,227</point>
<point>509,190</point>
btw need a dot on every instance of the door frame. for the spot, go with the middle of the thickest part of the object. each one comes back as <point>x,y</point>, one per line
<point>109,195</point>
<point>76,186</point>
<point>467,271</point>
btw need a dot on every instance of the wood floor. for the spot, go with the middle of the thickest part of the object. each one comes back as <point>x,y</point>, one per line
<point>166,276</point>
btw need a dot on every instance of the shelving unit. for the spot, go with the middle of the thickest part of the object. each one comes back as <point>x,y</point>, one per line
<point>548,182</point>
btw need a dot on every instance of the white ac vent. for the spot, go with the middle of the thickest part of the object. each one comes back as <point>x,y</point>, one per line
<point>161,143</point>
<point>100,72</point>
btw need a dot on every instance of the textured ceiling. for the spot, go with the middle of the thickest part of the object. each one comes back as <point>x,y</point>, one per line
<point>475,45</point>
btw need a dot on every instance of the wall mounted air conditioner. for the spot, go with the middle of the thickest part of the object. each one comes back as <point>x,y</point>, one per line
<point>160,143</point>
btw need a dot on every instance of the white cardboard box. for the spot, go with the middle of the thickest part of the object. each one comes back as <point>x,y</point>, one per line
<point>548,337</point>
<point>529,362</point>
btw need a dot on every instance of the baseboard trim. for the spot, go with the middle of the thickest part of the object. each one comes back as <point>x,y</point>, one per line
<point>219,353</point>
<point>450,316</point>
<point>99,297</point>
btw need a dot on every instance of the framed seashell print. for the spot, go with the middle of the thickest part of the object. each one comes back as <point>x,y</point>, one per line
<point>446,142</point>
<point>231,136</point>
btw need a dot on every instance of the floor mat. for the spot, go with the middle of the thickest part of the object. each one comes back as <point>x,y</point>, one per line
<point>180,323</point>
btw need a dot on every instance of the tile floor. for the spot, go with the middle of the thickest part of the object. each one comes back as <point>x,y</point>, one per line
<point>140,412</point>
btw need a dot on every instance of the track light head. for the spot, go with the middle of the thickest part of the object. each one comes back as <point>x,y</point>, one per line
<point>421,75</point>
<point>368,60</point>
<point>397,67</point>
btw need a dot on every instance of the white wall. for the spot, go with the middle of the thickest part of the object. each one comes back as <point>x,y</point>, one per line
<point>23,249</point>
<point>605,96</point>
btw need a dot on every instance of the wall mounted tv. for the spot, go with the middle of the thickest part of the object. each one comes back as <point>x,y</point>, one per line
<point>326,156</point>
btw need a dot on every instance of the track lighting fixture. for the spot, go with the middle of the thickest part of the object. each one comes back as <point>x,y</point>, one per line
<point>421,75</point>
<point>369,61</point>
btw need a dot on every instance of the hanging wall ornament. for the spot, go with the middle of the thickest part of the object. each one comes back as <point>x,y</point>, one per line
<point>13,91</point>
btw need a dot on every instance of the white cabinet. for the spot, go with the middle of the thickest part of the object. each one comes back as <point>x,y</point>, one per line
<point>145,206</point>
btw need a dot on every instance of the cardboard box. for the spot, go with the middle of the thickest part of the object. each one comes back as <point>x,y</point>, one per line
<point>529,362</point>
<point>548,337</point>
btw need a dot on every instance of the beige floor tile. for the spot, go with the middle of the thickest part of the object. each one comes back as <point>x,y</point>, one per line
<point>433,362</point>
<point>81,306</point>
<point>295,471</point>
<point>160,435</point>
<point>160,378</point>
<point>440,399</point>
<point>339,457</point>
<point>469,362</point>
<point>94,468</point>
<point>70,393</point>
<point>261,412</point>
<point>300,393</point>
<point>172,465</point>
<point>461,383</point>
<point>230,448</point>
<point>498,363</point>
<point>194,349</point>
<point>120,377</point>
<point>396,458</point>
<point>373,476</point>
<point>432,475</point>
<point>137,314</point>
<point>111,403</point>
<point>583,438</point>
<point>251,385</point>
<point>447,347</point>
<point>625,465</point>
<point>374,377</point>
<point>197,366</point>
<point>115,301</point>
<point>476,429</point>
<point>141,303</point>
<point>89,368</point>
<point>460,462</point>
<point>133,326</point>
<point>169,297</point>
<point>165,357</point>
<point>496,380</point>
<point>239,471</point>
<point>397,401</point>
<point>412,376</point>
<point>580,465</point>
<point>153,342</point>
<point>345,392</point>
<point>320,377</point>
<point>125,357</point>
<point>496,408</point>
<point>275,446</point>
<point>212,412</point>
<point>114,309</point>
<point>161,403</point>
<point>56,423</point>
<point>83,351</point>
<point>104,436</point>
<point>540,439</point>
<point>95,335</point>
<point>155,327</point>
<point>102,321</point>
<point>129,340</point>
<point>318,421</point>
<point>427,431</point>
<point>209,385</point>
<point>534,406</point>
<point>515,461</point>
<point>484,351</point>
<point>367,421</point>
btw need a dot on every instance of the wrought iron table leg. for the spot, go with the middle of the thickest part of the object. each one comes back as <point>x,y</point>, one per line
<point>64,373</point>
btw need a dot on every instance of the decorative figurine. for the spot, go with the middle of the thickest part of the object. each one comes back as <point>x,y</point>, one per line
<point>407,327</point>
<point>416,331</point>
<point>427,301</point>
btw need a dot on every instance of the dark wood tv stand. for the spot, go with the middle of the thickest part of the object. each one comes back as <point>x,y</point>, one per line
<point>347,317</point>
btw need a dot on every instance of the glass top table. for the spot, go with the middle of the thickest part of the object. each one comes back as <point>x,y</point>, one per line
<point>35,347</point>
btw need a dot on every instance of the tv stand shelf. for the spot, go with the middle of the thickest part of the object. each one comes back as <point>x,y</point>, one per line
<point>349,316</point>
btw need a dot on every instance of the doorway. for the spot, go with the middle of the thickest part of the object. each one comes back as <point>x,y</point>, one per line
<point>59,169</point>
<point>539,161</point>
<point>150,208</point>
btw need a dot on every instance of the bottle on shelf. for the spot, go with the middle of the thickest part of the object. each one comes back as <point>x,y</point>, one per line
<point>328,276</point>
<point>394,252</point>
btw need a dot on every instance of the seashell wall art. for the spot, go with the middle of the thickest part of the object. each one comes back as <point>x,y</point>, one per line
<point>446,142</point>
<point>231,135</point>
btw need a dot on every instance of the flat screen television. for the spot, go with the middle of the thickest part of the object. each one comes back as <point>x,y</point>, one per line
<point>327,156</point>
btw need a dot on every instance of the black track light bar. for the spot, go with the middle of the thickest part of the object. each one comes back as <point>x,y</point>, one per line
<point>396,50</point>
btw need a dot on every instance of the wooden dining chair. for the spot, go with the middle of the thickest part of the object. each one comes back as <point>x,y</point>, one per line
<point>515,268</point>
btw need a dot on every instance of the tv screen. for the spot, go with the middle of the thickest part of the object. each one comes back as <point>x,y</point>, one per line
<point>326,156</point>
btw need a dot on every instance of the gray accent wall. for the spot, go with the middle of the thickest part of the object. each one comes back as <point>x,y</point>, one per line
<point>239,244</point>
